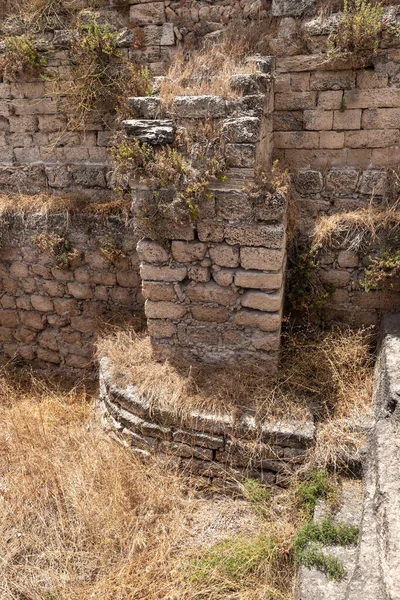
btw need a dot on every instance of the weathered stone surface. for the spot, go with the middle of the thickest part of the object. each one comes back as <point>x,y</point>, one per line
<point>262,259</point>
<point>255,318</point>
<point>292,8</point>
<point>164,310</point>
<point>158,291</point>
<point>199,107</point>
<point>225,255</point>
<point>268,236</point>
<point>187,252</point>
<point>160,329</point>
<point>242,130</point>
<point>147,107</point>
<point>233,205</point>
<point>210,292</point>
<point>152,132</point>
<point>223,277</point>
<point>262,301</point>
<point>213,314</point>
<point>258,279</point>
<point>152,13</point>
<point>153,273</point>
<point>152,252</point>
<point>342,181</point>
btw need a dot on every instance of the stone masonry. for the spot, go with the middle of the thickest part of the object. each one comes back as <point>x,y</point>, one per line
<point>214,293</point>
<point>49,315</point>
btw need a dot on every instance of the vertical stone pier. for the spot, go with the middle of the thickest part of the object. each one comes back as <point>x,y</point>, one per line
<point>214,291</point>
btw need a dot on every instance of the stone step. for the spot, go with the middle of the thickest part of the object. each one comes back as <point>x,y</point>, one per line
<point>314,585</point>
<point>155,132</point>
<point>366,582</point>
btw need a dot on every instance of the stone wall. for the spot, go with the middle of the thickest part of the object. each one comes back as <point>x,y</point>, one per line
<point>214,293</point>
<point>50,310</point>
<point>217,447</point>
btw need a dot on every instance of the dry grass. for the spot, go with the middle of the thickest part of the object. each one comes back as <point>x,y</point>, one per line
<point>82,518</point>
<point>329,374</point>
<point>208,70</point>
<point>358,229</point>
<point>44,203</point>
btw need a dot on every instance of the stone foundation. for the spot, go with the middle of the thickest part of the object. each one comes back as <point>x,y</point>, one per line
<point>216,447</point>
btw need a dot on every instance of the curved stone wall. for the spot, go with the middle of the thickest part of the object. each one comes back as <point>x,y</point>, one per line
<point>203,444</point>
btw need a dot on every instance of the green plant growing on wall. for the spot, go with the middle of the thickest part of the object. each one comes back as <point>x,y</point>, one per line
<point>382,270</point>
<point>21,57</point>
<point>109,249</point>
<point>178,177</point>
<point>358,32</point>
<point>101,79</point>
<point>305,290</point>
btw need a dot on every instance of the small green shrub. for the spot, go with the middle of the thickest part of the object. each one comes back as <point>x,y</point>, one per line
<point>21,57</point>
<point>358,31</point>
<point>233,558</point>
<point>59,246</point>
<point>306,292</point>
<point>316,487</point>
<point>382,270</point>
<point>312,536</point>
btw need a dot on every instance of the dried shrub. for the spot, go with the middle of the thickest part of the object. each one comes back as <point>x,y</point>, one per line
<point>59,246</point>
<point>101,79</point>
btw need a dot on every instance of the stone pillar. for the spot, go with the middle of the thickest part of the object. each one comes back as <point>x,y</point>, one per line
<point>214,292</point>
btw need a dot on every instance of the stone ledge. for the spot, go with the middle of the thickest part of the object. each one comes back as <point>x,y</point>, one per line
<point>203,443</point>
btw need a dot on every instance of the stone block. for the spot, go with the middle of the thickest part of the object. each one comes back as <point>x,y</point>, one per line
<point>225,255</point>
<point>147,107</point>
<point>152,13</point>
<point>249,84</point>
<point>8,318</point>
<point>42,303</point>
<point>81,291</point>
<point>342,181</point>
<point>322,81</point>
<point>296,101</point>
<point>6,334</point>
<point>210,231</point>
<point>123,296</point>
<point>158,291</point>
<point>198,273</point>
<point>348,119</point>
<point>243,130</point>
<point>128,279</point>
<point>193,438</point>
<point>77,362</point>
<point>372,138</point>
<point>212,314</point>
<point>53,288</point>
<point>152,252</point>
<point>296,139</point>
<point>368,79</point>
<point>384,118</point>
<point>188,252</point>
<point>150,132</point>
<point>211,292</point>
<point>240,155</point>
<point>98,277</point>
<point>268,342</point>
<point>258,280</point>
<point>66,307</point>
<point>261,320</point>
<point>373,182</point>
<point>288,120</point>
<point>83,324</point>
<point>382,98</point>
<point>18,270</point>
<point>163,35</point>
<point>330,100</point>
<point>48,339</point>
<point>32,319</point>
<point>292,8</point>
<point>318,120</point>
<point>348,259</point>
<point>48,355</point>
<point>153,273</point>
<point>164,310</point>
<point>299,82</point>
<point>223,277</point>
<point>335,277</point>
<point>199,107</point>
<point>308,181</point>
<point>255,234</point>
<point>262,301</point>
<point>160,329</point>
<point>331,139</point>
<point>233,205</point>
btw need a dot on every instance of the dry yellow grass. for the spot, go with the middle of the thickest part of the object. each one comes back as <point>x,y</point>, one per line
<point>82,518</point>
<point>358,229</point>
